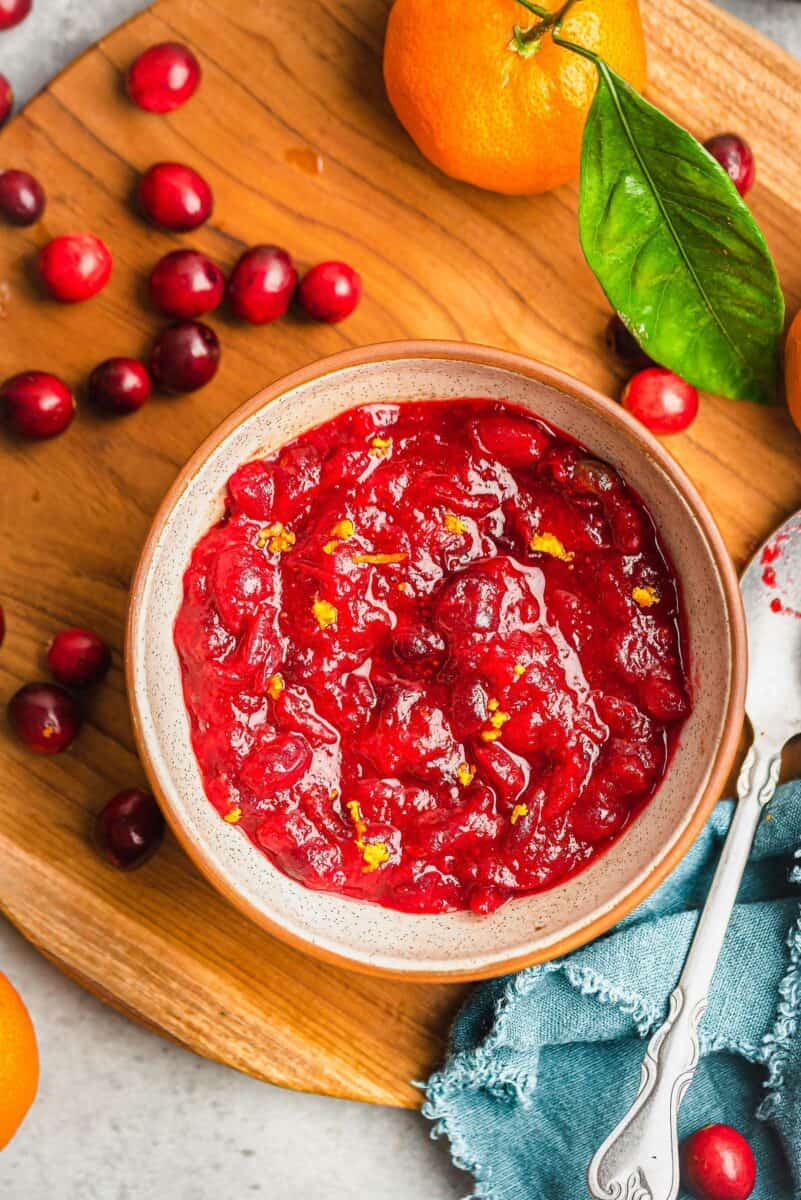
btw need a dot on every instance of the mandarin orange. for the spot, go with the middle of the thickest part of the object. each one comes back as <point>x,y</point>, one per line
<point>484,112</point>
<point>792,369</point>
<point>19,1061</point>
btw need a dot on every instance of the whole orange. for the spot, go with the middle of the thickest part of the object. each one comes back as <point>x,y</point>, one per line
<point>792,369</point>
<point>19,1061</point>
<point>487,114</point>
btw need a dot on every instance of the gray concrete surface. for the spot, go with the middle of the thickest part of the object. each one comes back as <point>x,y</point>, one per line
<point>122,1115</point>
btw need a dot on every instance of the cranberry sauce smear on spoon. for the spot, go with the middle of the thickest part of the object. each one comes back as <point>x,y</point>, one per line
<point>432,655</point>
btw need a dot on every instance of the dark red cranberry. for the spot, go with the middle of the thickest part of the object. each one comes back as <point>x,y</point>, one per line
<point>185,357</point>
<point>37,405</point>
<point>175,197</point>
<point>662,401</point>
<point>45,717</point>
<point>129,829</point>
<point>262,284</point>
<point>12,12</point>
<point>78,657</point>
<point>718,1164</point>
<point>625,346</point>
<point>330,291</point>
<point>119,385</point>
<point>6,99</point>
<point>75,266</point>
<point>418,644</point>
<point>163,77</point>
<point>598,817</point>
<point>594,478</point>
<point>736,157</point>
<point>22,197</point>
<point>186,284</point>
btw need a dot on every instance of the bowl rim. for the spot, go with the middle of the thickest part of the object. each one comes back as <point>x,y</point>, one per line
<point>645,442</point>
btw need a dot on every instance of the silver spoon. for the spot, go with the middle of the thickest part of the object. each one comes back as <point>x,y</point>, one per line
<point>640,1158</point>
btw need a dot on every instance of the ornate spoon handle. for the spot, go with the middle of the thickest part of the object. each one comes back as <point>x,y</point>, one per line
<point>640,1158</point>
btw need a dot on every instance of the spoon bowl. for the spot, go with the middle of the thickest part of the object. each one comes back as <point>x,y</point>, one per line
<point>771,587</point>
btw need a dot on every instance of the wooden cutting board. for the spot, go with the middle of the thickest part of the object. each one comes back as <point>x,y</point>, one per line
<point>293,130</point>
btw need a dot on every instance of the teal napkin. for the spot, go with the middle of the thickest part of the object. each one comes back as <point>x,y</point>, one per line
<point>543,1064</point>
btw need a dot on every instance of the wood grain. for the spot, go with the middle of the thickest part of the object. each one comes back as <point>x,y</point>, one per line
<point>281,96</point>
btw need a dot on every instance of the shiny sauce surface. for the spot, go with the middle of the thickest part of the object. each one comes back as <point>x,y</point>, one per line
<point>432,655</point>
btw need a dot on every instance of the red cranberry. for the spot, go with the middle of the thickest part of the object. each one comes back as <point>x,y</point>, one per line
<point>78,657</point>
<point>119,385</point>
<point>22,197</point>
<point>598,817</point>
<point>130,828</point>
<point>736,157</point>
<point>175,197</point>
<point>75,266</point>
<point>186,284</point>
<point>662,401</point>
<point>45,717</point>
<point>185,357</point>
<point>262,284</point>
<point>330,291</point>
<point>163,77</point>
<point>12,12</point>
<point>6,99</point>
<point>625,346</point>
<point>718,1164</point>
<point>37,405</point>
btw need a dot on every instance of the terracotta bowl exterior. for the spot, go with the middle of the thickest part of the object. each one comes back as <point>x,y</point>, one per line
<point>527,930</point>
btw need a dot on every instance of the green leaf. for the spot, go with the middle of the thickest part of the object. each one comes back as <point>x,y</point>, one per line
<point>676,249</point>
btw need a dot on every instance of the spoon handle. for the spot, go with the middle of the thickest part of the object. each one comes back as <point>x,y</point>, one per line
<point>640,1158</point>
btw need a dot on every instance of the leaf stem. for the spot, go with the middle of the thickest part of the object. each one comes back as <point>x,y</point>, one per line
<point>556,36</point>
<point>537,9</point>
<point>548,21</point>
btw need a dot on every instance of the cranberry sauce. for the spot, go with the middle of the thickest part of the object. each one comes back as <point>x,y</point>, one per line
<point>432,655</point>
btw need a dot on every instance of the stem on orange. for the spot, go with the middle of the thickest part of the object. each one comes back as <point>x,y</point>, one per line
<point>556,35</point>
<point>537,9</point>
<point>548,21</point>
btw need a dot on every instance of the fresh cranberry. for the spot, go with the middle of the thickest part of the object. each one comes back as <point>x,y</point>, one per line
<point>6,99</point>
<point>119,385</point>
<point>736,157</point>
<point>330,291</point>
<point>625,346</point>
<point>37,405</point>
<point>186,284</point>
<point>78,657</point>
<point>45,717</point>
<point>163,77</point>
<point>175,196</point>
<point>22,197</point>
<point>185,357</point>
<point>130,828</point>
<point>75,266</point>
<point>718,1164</point>
<point>662,401</point>
<point>12,12</point>
<point>262,284</point>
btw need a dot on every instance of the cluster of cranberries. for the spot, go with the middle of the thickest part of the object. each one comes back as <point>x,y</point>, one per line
<point>665,403</point>
<point>184,285</point>
<point>47,717</point>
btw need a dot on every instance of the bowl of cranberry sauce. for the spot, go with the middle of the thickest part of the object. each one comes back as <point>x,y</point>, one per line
<point>436,660</point>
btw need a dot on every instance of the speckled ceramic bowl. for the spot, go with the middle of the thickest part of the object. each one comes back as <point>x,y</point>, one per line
<point>526,930</point>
